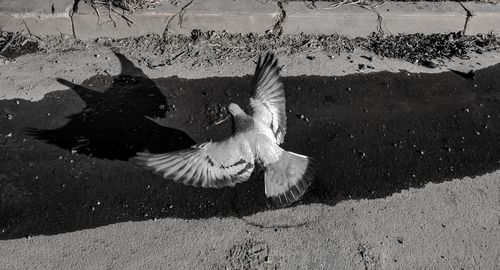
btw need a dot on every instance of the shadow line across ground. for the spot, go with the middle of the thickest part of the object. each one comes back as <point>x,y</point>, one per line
<point>63,159</point>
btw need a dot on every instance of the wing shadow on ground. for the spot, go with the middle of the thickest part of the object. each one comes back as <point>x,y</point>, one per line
<point>372,135</point>
<point>114,123</point>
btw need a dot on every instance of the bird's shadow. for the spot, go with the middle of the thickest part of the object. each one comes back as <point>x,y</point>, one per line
<point>120,116</point>
<point>116,121</point>
<point>371,135</point>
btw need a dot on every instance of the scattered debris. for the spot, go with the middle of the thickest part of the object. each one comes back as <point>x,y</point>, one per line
<point>421,49</point>
<point>216,113</point>
<point>369,58</point>
<point>13,45</point>
<point>214,47</point>
<point>129,5</point>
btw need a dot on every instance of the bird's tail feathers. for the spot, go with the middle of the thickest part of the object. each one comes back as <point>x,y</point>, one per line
<point>287,179</point>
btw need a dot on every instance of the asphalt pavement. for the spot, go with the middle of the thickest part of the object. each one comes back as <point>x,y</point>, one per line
<point>65,158</point>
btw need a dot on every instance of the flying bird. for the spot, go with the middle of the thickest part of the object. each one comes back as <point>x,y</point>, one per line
<point>255,142</point>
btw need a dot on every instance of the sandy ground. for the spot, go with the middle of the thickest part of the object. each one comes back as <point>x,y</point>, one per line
<point>452,225</point>
<point>448,225</point>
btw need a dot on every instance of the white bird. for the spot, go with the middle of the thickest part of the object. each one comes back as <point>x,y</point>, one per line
<point>255,141</point>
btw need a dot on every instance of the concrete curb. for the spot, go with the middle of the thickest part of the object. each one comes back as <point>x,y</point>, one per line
<point>242,16</point>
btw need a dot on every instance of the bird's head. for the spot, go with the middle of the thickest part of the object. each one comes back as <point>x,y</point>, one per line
<point>234,109</point>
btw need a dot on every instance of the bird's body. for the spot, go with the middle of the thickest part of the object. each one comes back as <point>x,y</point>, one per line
<point>254,142</point>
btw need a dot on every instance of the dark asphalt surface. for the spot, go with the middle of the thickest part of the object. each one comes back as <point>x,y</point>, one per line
<point>64,159</point>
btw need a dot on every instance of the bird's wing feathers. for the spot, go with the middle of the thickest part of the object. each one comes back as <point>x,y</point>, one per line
<point>268,102</point>
<point>211,164</point>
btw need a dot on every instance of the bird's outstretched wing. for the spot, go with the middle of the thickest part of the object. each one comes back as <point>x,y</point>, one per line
<point>268,102</point>
<point>209,165</point>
